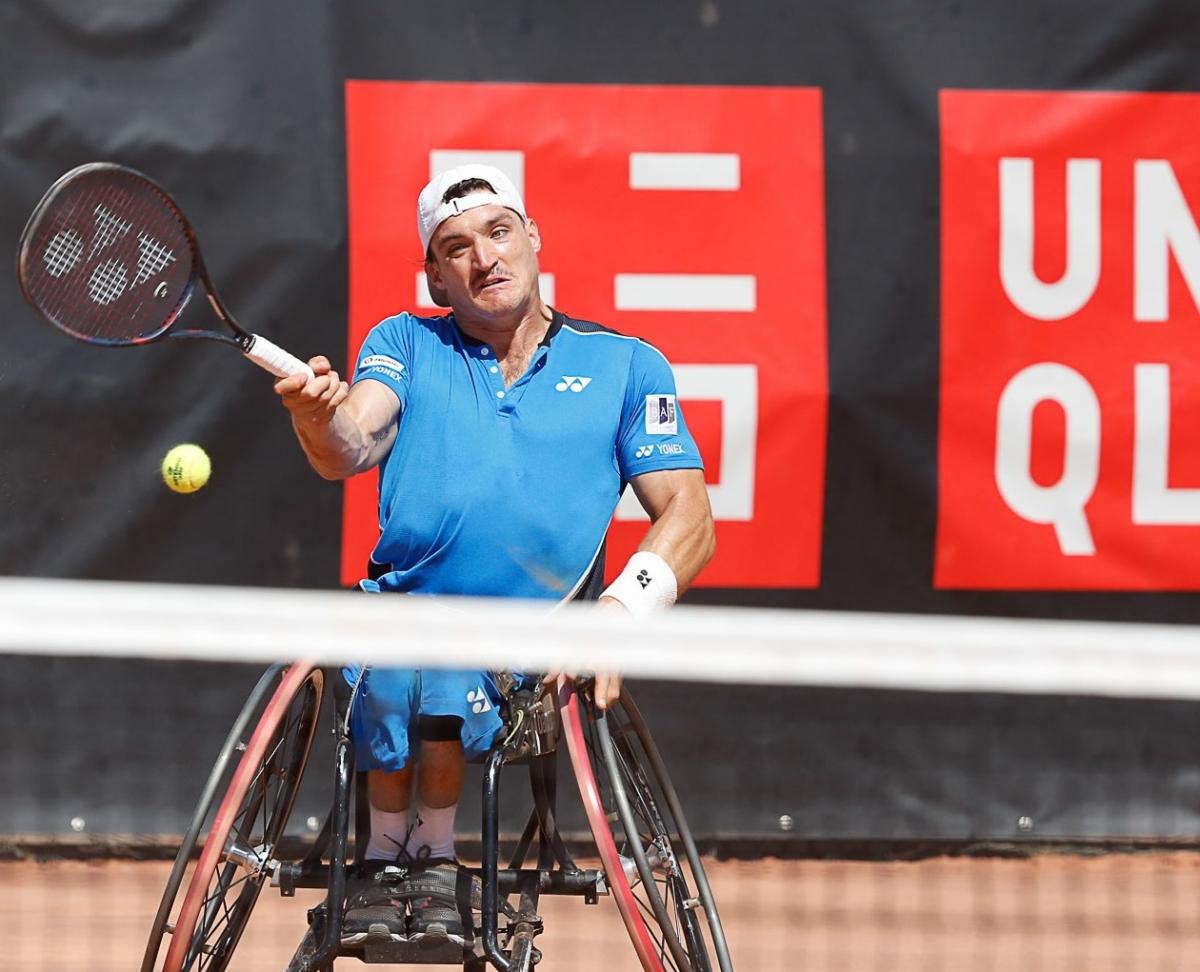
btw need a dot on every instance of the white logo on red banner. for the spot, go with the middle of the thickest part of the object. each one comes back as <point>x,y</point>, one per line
<point>1070,341</point>
<point>677,180</point>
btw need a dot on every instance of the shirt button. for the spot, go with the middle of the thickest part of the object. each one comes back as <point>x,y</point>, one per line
<point>499,394</point>
<point>493,369</point>
<point>484,352</point>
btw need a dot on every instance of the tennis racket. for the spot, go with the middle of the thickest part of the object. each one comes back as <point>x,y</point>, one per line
<point>109,258</point>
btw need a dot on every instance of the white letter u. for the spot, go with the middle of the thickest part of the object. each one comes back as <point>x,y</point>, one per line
<point>1066,296</point>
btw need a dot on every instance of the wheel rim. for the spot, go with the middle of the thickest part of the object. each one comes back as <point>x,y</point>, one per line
<point>716,930</point>
<point>589,792</point>
<point>666,898</point>
<point>218,776</point>
<point>247,827</point>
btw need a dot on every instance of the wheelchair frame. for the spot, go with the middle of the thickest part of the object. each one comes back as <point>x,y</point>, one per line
<point>650,863</point>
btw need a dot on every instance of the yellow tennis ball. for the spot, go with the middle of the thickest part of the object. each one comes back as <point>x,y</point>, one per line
<point>186,468</point>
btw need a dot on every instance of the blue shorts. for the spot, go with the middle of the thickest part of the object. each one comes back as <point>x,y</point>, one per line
<point>384,711</point>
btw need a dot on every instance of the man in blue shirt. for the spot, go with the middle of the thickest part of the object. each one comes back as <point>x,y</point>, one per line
<point>505,432</point>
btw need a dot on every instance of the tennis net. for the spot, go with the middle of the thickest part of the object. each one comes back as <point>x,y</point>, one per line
<point>866,792</point>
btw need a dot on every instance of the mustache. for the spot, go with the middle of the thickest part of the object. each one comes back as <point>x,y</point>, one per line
<point>491,274</point>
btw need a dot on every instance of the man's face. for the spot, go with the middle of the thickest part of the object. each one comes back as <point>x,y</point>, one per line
<point>485,261</point>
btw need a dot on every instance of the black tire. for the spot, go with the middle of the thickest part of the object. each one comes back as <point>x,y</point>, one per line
<point>648,826</point>
<point>248,824</point>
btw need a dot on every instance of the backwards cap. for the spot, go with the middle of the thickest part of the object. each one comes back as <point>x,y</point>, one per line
<point>432,212</point>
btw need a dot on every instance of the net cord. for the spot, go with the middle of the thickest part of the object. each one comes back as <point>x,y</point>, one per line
<point>732,645</point>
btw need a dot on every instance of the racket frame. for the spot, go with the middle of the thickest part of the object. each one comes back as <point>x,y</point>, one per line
<point>261,351</point>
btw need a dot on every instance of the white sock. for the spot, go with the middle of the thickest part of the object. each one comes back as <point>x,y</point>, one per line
<point>389,832</point>
<point>432,831</point>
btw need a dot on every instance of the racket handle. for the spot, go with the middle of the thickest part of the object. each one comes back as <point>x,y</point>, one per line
<point>274,359</point>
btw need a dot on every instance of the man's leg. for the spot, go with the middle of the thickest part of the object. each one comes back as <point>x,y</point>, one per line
<point>435,913</point>
<point>388,796</point>
<point>439,786</point>
<point>458,719</point>
<point>443,764</point>
<point>382,711</point>
<point>426,828</point>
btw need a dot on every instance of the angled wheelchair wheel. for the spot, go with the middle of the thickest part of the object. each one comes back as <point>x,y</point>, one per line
<point>246,828</point>
<point>653,868</point>
<point>218,781</point>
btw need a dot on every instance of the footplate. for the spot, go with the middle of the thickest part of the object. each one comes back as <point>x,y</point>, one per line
<point>411,953</point>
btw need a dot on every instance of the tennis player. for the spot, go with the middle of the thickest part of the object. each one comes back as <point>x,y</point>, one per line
<point>504,432</point>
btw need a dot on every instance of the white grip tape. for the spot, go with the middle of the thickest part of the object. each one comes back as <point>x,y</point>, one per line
<point>271,356</point>
<point>646,585</point>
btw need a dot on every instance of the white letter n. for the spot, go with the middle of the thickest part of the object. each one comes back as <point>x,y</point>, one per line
<point>1163,223</point>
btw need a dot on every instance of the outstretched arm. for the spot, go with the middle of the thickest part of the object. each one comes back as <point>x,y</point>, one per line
<point>343,430</point>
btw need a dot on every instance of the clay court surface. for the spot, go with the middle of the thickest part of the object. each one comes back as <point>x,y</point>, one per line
<point>1115,912</point>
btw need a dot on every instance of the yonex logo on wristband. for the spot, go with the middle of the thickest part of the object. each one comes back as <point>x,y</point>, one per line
<point>641,592</point>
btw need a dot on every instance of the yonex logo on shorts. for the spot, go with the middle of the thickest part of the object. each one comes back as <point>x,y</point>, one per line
<point>479,701</point>
<point>576,383</point>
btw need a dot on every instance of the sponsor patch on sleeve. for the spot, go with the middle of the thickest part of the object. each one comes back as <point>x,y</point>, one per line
<point>661,418</point>
<point>381,363</point>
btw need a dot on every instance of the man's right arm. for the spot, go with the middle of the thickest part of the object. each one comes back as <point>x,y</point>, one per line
<point>343,430</point>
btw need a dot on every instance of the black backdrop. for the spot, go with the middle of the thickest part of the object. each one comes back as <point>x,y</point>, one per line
<point>237,108</point>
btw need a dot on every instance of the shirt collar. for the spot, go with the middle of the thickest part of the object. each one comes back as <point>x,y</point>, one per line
<point>557,318</point>
<point>556,322</point>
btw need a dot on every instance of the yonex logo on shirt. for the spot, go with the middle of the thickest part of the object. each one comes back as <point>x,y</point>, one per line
<point>664,449</point>
<point>382,364</point>
<point>576,383</point>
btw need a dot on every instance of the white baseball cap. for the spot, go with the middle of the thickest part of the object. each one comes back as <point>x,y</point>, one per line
<point>432,212</point>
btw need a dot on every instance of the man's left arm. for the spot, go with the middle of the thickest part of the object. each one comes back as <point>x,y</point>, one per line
<point>681,524</point>
<point>681,540</point>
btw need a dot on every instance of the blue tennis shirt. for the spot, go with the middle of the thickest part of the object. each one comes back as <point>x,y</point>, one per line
<point>508,492</point>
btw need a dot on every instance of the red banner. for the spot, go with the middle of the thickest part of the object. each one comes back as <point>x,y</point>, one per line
<point>690,216</point>
<point>1070,385</point>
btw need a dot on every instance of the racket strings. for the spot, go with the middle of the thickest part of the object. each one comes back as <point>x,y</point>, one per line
<point>108,258</point>
<point>109,228</point>
<point>153,258</point>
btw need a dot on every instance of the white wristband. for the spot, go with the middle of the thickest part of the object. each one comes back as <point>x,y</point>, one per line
<point>646,585</point>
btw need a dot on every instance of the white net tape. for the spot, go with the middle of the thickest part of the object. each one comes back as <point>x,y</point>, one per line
<point>932,653</point>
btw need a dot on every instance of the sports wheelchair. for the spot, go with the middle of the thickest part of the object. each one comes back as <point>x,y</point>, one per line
<point>650,865</point>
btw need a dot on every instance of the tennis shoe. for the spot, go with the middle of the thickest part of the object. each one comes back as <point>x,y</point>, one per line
<point>433,903</point>
<point>374,912</point>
